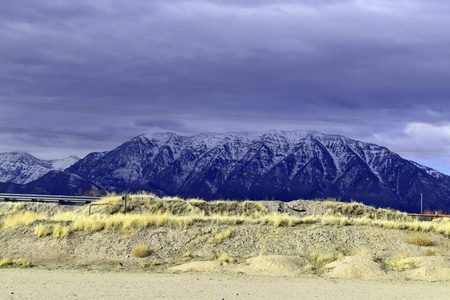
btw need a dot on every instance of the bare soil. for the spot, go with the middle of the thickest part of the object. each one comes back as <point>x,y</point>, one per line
<point>198,262</point>
<point>39,284</point>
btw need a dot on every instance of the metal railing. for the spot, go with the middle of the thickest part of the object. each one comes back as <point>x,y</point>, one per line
<point>62,200</point>
<point>427,217</point>
<point>124,199</point>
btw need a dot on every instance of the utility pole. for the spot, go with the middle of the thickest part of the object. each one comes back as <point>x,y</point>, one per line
<point>421,203</point>
<point>125,198</point>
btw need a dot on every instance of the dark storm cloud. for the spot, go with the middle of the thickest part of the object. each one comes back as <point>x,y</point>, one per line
<point>341,59</point>
<point>209,51</point>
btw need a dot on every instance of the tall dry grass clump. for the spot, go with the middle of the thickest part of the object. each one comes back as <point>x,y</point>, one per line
<point>21,219</point>
<point>19,263</point>
<point>399,262</point>
<point>225,257</point>
<point>60,231</point>
<point>148,210</point>
<point>42,230</point>
<point>419,239</point>
<point>359,210</point>
<point>151,204</point>
<point>140,251</point>
<point>221,236</point>
<point>321,258</point>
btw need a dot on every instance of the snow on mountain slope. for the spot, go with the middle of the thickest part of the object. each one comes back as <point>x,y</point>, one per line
<point>64,163</point>
<point>283,165</point>
<point>277,164</point>
<point>22,168</point>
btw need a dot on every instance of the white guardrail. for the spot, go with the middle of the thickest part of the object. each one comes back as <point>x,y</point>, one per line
<point>63,200</point>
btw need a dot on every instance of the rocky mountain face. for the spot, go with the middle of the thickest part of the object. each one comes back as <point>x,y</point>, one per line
<point>275,165</point>
<point>279,165</point>
<point>23,168</point>
<point>52,183</point>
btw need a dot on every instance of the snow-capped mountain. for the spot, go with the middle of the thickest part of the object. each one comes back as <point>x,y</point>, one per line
<point>283,165</point>
<point>23,168</point>
<point>278,164</point>
<point>64,163</point>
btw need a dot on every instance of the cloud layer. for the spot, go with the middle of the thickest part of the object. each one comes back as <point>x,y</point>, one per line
<point>346,60</point>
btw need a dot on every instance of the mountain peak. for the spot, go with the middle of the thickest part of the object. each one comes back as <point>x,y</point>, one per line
<point>284,165</point>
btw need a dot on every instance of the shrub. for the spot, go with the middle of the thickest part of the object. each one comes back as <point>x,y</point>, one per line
<point>22,219</point>
<point>42,230</point>
<point>60,232</point>
<point>20,263</point>
<point>226,258</point>
<point>419,239</point>
<point>220,237</point>
<point>398,263</point>
<point>321,258</point>
<point>140,250</point>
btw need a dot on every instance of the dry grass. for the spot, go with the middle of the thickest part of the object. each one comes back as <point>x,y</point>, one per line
<point>419,239</point>
<point>147,210</point>
<point>221,236</point>
<point>398,263</point>
<point>321,258</point>
<point>359,210</point>
<point>140,251</point>
<point>21,219</point>
<point>224,257</point>
<point>60,231</point>
<point>19,263</point>
<point>309,268</point>
<point>335,220</point>
<point>151,204</point>
<point>42,230</point>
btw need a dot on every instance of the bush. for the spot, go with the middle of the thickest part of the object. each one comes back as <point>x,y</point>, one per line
<point>419,239</point>
<point>140,250</point>
<point>20,263</point>
<point>321,258</point>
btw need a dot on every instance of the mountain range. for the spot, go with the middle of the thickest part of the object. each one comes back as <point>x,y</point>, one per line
<point>281,165</point>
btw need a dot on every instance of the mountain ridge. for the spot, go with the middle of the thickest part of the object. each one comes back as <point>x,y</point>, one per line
<point>23,168</point>
<point>283,165</point>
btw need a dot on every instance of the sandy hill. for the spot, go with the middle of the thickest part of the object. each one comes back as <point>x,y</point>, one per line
<point>298,238</point>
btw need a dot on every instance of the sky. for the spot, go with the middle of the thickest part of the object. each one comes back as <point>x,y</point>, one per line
<point>87,75</point>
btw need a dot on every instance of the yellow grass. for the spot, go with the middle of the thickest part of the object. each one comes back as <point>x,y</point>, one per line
<point>60,231</point>
<point>398,263</point>
<point>140,250</point>
<point>419,239</point>
<point>221,236</point>
<point>359,210</point>
<point>335,220</point>
<point>21,219</point>
<point>321,258</point>
<point>147,210</point>
<point>224,257</point>
<point>20,263</point>
<point>42,230</point>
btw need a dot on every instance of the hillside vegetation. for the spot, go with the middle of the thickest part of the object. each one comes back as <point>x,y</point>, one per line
<point>155,233</point>
<point>147,210</point>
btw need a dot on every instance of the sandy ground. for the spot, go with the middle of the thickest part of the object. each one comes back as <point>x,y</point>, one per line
<point>79,284</point>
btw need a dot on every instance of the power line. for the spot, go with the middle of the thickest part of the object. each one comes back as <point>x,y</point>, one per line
<point>66,134</point>
<point>246,118</point>
<point>431,153</point>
